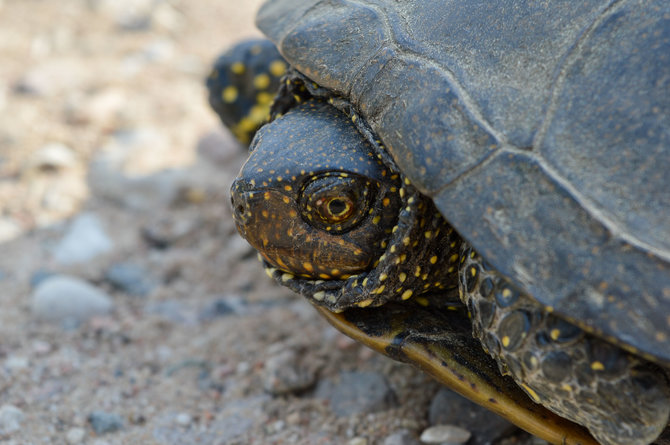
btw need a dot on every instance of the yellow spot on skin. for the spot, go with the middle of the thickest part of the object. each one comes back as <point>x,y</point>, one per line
<point>386,202</point>
<point>422,301</point>
<point>269,271</point>
<point>417,272</point>
<point>229,94</point>
<point>505,341</point>
<point>319,295</point>
<point>402,277</point>
<point>364,303</point>
<point>433,259</point>
<point>554,334</point>
<point>406,240</point>
<point>264,98</point>
<point>403,257</point>
<point>393,248</point>
<point>506,293</point>
<point>473,272</point>
<point>266,196</point>
<point>288,188</point>
<point>365,282</point>
<point>286,199</point>
<point>286,277</point>
<point>407,181</point>
<point>407,294</point>
<point>261,81</point>
<point>277,68</point>
<point>533,395</point>
<point>376,219</point>
<point>382,277</point>
<point>428,234</point>
<point>265,213</point>
<point>453,258</point>
<point>237,68</point>
<point>325,276</point>
<point>380,289</point>
<point>566,387</point>
<point>292,213</point>
<point>597,366</point>
<point>308,267</point>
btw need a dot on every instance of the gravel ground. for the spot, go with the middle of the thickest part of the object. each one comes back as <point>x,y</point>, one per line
<point>131,310</point>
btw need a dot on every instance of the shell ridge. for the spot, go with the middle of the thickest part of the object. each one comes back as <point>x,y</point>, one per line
<point>568,60</point>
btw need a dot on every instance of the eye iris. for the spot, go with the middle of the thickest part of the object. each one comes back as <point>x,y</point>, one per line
<point>338,207</point>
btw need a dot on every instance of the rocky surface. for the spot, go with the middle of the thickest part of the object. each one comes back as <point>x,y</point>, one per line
<point>131,310</point>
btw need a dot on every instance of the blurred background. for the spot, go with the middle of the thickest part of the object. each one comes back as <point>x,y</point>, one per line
<point>130,310</point>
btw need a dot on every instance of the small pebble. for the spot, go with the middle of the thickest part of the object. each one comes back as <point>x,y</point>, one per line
<point>358,441</point>
<point>130,279</point>
<point>10,419</point>
<point>449,408</point>
<point>104,422</point>
<point>84,240</point>
<point>53,157</point>
<point>183,419</point>
<point>9,229</point>
<point>64,298</point>
<point>75,436</point>
<point>284,374</point>
<point>445,434</point>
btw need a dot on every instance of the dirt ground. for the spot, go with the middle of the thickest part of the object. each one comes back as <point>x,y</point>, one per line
<point>114,173</point>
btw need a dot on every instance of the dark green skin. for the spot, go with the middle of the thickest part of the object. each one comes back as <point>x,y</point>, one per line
<point>540,130</point>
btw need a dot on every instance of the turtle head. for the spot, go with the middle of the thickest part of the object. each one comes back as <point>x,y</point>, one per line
<point>331,220</point>
<point>313,198</point>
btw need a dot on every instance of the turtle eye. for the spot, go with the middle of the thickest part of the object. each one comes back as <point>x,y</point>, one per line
<point>337,209</point>
<point>336,202</point>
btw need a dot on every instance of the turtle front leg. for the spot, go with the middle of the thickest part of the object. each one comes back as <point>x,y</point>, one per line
<point>621,398</point>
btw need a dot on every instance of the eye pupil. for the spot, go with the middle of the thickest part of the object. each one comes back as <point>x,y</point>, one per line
<point>337,206</point>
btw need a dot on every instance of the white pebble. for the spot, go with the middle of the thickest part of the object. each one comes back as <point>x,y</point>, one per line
<point>183,419</point>
<point>75,436</point>
<point>450,434</point>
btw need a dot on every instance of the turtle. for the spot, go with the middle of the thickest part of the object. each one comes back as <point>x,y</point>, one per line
<point>242,84</point>
<point>479,188</point>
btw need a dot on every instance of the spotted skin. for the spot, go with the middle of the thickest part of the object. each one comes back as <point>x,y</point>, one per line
<point>575,374</point>
<point>415,259</point>
<point>242,85</point>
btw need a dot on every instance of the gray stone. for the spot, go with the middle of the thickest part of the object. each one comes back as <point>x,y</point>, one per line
<point>10,419</point>
<point>447,407</point>
<point>401,437</point>
<point>284,374</point>
<point>84,240</point>
<point>357,393</point>
<point>103,422</point>
<point>64,298</point>
<point>130,279</point>
<point>445,434</point>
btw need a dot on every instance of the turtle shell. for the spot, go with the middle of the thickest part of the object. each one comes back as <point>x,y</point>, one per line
<point>541,130</point>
